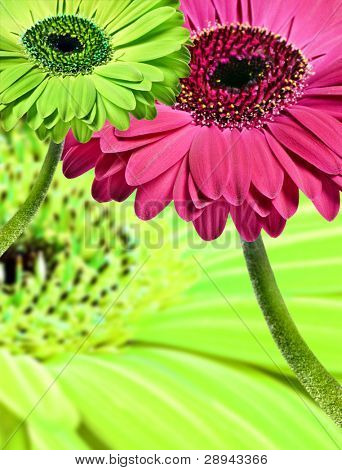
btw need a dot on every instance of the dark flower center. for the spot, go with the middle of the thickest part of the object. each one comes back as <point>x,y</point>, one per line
<point>67,45</point>
<point>23,258</point>
<point>241,76</point>
<point>49,304</point>
<point>238,73</point>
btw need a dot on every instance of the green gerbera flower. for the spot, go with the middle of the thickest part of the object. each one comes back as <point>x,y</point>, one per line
<point>77,63</point>
<point>57,283</point>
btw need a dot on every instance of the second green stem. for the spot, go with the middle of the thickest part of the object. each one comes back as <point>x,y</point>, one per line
<point>12,230</point>
<point>317,381</point>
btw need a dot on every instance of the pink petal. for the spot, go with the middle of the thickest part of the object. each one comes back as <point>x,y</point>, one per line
<point>155,195</point>
<point>181,195</point>
<point>246,222</point>
<point>325,91</point>
<point>167,120</point>
<point>227,12</point>
<point>107,125</point>
<point>109,164</point>
<point>305,145</point>
<point>338,180</point>
<point>325,104</point>
<point>327,128</point>
<point>100,190</point>
<point>326,46</point>
<point>273,224</point>
<point>329,75</point>
<point>328,203</point>
<point>70,142</point>
<point>81,158</point>
<point>259,203</point>
<point>277,15</point>
<point>303,176</point>
<point>240,167</point>
<point>119,190</point>
<point>311,20</point>
<point>209,162</point>
<point>128,144</point>
<point>199,200</point>
<point>267,175</point>
<point>198,12</point>
<point>151,161</point>
<point>110,143</point>
<point>212,222</point>
<point>287,201</point>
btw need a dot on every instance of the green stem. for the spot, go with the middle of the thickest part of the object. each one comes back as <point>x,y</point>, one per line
<point>12,230</point>
<point>322,387</point>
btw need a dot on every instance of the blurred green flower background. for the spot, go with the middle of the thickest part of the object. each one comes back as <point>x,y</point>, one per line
<point>106,343</point>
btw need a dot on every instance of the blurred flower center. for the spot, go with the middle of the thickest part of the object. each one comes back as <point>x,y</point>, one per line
<point>67,45</point>
<point>25,258</point>
<point>52,301</point>
<point>241,76</point>
<point>82,275</point>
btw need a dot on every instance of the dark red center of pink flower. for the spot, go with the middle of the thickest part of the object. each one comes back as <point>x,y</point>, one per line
<point>237,73</point>
<point>241,76</point>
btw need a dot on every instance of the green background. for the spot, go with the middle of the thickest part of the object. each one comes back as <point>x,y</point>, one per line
<point>198,368</point>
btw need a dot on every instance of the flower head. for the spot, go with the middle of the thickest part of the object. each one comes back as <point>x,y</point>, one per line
<point>59,259</point>
<point>256,121</point>
<point>77,64</point>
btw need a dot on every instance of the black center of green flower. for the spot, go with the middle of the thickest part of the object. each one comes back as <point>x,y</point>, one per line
<point>26,257</point>
<point>67,45</point>
<point>238,73</point>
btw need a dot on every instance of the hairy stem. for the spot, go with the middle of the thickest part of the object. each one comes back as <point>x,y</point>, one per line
<point>12,230</point>
<point>322,387</point>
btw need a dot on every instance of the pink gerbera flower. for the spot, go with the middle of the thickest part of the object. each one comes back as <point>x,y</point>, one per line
<point>257,120</point>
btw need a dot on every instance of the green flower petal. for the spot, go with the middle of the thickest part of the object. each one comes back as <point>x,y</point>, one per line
<point>60,131</point>
<point>145,98</point>
<point>89,119</point>
<point>135,10</point>
<point>151,113</point>
<point>150,72</point>
<point>83,94</point>
<point>9,54</point>
<point>7,44</point>
<point>100,117</point>
<point>13,74</point>
<point>81,131</point>
<point>117,116</point>
<point>176,66</point>
<point>116,94</point>
<point>121,71</point>
<point>9,119</point>
<point>163,94</point>
<point>65,109</point>
<point>22,86</point>
<point>11,62</point>
<point>108,11</point>
<point>140,110</point>
<point>48,100</point>
<point>33,118</point>
<point>27,101</point>
<point>143,25</point>
<point>144,85</point>
<point>150,50</point>
<point>42,132</point>
<point>52,120</point>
